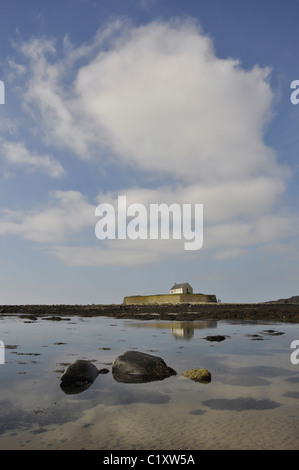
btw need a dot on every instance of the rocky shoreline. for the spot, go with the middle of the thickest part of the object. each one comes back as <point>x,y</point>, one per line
<point>281,312</point>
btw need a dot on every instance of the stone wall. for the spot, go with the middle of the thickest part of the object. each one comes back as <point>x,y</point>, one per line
<point>169,299</point>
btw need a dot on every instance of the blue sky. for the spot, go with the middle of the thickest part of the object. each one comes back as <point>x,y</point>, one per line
<point>162,101</point>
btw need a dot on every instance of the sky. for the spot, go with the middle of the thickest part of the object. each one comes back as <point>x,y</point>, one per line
<point>163,102</point>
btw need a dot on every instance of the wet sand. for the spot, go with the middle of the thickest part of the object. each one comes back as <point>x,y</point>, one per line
<point>123,428</point>
<point>216,311</point>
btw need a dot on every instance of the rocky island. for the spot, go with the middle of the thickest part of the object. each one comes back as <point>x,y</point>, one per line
<point>282,310</point>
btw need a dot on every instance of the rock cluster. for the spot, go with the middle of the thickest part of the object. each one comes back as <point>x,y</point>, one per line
<point>130,367</point>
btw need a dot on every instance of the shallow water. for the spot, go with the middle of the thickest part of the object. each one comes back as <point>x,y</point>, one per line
<point>250,403</point>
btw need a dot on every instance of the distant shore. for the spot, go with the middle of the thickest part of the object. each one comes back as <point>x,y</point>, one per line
<point>180,312</point>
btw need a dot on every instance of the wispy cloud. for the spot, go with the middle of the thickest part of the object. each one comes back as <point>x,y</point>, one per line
<point>66,214</point>
<point>17,154</point>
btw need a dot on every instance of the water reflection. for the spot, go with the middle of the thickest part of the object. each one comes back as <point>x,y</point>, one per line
<point>76,387</point>
<point>180,329</point>
<point>240,404</point>
<point>133,379</point>
<point>174,413</point>
<point>183,331</point>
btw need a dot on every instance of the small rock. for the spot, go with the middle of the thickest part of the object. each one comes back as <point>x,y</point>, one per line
<point>215,338</point>
<point>198,375</point>
<point>273,332</point>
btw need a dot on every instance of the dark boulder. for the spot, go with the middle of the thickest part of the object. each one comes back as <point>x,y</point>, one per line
<point>79,376</point>
<point>137,367</point>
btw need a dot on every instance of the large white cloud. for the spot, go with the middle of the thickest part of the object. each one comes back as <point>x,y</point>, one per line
<point>157,96</point>
<point>164,101</point>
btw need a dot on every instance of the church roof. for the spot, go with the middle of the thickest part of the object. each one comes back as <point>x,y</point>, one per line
<point>179,286</point>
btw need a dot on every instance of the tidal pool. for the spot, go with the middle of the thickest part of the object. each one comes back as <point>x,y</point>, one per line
<point>250,403</point>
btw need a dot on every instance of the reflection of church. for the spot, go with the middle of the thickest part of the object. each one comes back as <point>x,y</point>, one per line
<point>183,330</point>
<point>180,330</point>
